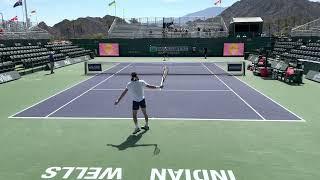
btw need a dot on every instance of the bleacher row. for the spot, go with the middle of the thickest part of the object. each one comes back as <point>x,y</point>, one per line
<point>283,46</point>
<point>19,57</point>
<point>297,56</point>
<point>17,48</point>
<point>278,51</point>
<point>6,66</point>
<point>299,43</point>
<point>63,47</point>
<point>78,53</point>
<point>314,44</point>
<point>310,48</point>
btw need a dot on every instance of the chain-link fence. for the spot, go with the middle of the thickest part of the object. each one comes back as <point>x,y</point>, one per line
<point>19,30</point>
<point>181,27</point>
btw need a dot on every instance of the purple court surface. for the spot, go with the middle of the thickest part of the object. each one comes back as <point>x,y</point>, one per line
<point>185,97</point>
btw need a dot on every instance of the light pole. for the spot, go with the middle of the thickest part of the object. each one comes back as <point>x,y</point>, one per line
<point>2,21</point>
<point>26,12</point>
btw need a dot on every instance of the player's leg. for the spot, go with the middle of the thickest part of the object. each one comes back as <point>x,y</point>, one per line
<point>135,117</point>
<point>135,120</point>
<point>135,108</point>
<point>51,67</point>
<point>146,117</point>
<point>144,111</point>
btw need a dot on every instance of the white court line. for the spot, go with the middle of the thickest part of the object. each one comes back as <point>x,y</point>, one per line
<point>301,119</point>
<point>166,90</point>
<point>162,119</point>
<point>234,92</point>
<point>60,92</point>
<point>87,91</point>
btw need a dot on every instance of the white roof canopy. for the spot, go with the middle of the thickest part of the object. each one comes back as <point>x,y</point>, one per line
<point>247,19</point>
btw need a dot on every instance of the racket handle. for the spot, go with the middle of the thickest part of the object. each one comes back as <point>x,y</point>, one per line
<point>162,81</point>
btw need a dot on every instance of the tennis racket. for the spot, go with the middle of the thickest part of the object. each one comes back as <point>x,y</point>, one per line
<point>164,75</point>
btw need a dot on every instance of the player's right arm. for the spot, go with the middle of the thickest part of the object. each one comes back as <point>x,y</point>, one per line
<point>122,95</point>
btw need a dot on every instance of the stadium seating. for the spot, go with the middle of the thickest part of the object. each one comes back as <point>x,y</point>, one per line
<point>28,58</point>
<point>68,50</point>
<point>297,50</point>
<point>25,57</point>
<point>6,66</point>
<point>301,55</point>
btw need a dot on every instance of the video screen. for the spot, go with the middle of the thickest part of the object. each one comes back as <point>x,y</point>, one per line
<point>233,49</point>
<point>109,49</point>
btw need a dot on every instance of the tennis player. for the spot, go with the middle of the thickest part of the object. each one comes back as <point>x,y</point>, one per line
<point>136,89</point>
<point>205,52</point>
<point>165,54</point>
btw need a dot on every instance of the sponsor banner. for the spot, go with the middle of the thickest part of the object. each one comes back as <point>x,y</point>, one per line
<point>169,50</point>
<point>235,67</point>
<point>109,49</point>
<point>233,49</point>
<point>95,67</point>
<point>69,61</point>
<point>9,76</point>
<point>313,76</point>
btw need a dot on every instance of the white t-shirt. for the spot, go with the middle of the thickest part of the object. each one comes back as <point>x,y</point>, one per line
<point>136,89</point>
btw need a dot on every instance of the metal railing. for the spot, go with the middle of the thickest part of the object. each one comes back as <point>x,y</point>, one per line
<point>25,35</point>
<point>17,30</point>
<point>309,29</point>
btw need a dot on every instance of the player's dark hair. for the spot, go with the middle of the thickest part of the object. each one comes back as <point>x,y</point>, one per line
<point>134,77</point>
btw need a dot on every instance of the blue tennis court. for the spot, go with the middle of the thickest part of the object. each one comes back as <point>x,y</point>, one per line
<point>213,95</point>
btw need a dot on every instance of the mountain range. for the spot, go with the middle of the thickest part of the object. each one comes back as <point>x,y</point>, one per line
<point>88,27</point>
<point>207,13</point>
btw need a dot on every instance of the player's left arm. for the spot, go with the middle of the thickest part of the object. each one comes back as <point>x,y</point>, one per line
<point>152,86</point>
<point>122,95</point>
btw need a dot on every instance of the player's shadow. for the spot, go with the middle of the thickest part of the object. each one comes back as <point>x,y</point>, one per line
<point>131,142</point>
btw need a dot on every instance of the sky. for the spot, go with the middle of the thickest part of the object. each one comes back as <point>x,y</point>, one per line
<point>54,11</point>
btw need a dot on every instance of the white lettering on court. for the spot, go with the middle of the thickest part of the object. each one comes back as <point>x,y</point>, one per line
<point>68,173</point>
<point>187,174</point>
<point>93,173</point>
<point>51,172</point>
<point>175,175</point>
<point>83,173</point>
